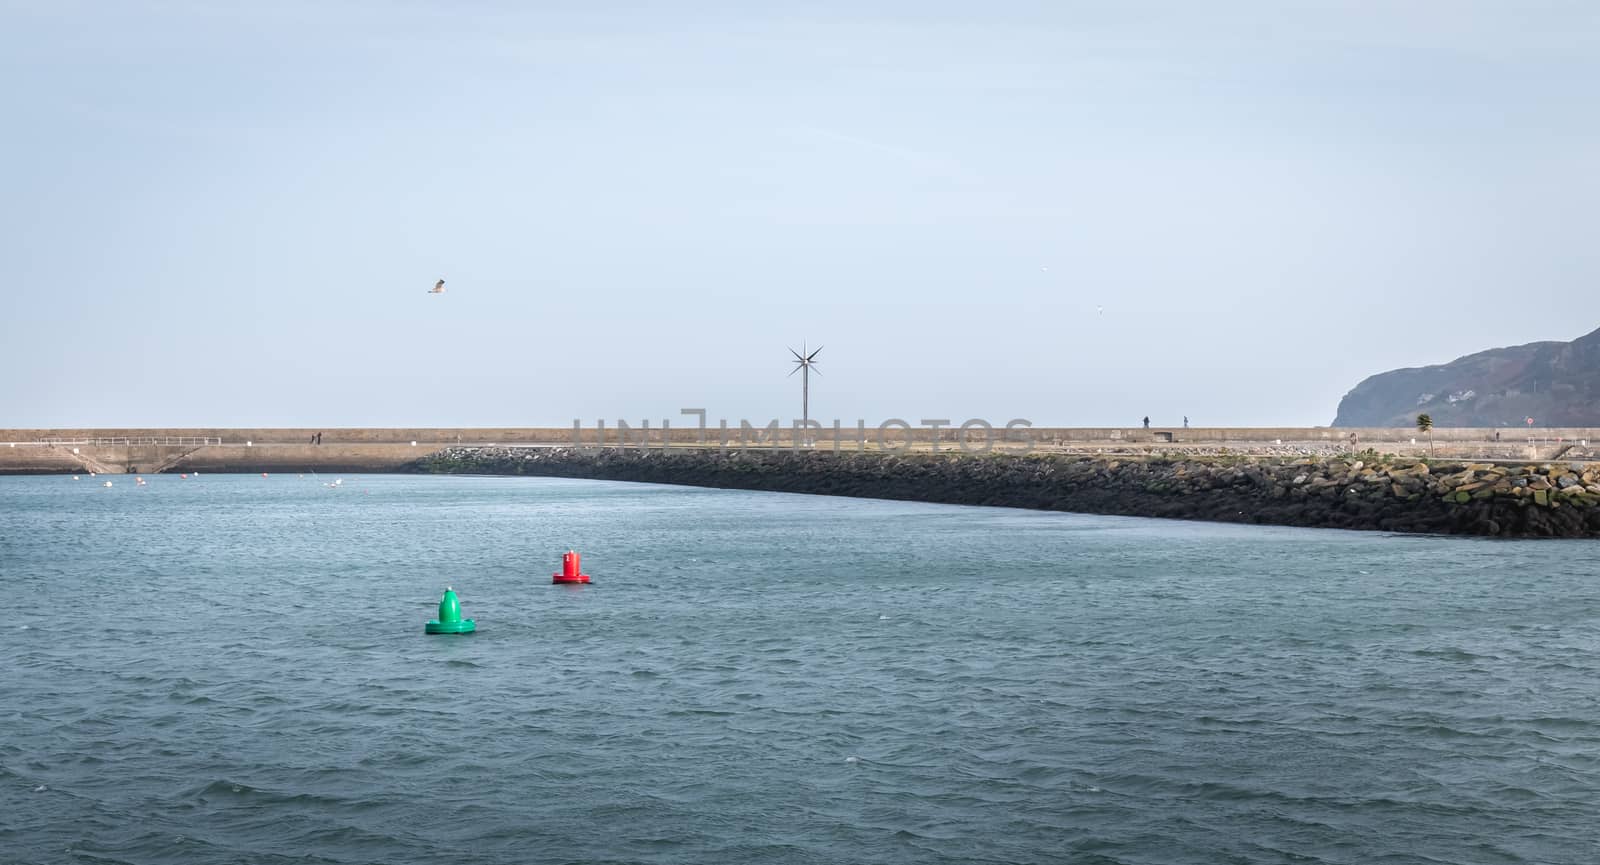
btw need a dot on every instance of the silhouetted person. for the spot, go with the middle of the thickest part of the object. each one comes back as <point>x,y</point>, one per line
<point>1146,421</point>
<point>313,438</point>
<point>1185,421</point>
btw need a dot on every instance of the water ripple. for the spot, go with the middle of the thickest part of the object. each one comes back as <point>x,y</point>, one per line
<point>233,669</point>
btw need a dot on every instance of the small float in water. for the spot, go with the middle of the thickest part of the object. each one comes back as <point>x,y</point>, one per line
<point>450,621</point>
<point>571,571</point>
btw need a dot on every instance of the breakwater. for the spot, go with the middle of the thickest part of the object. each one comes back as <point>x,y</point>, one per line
<point>152,451</point>
<point>1375,493</point>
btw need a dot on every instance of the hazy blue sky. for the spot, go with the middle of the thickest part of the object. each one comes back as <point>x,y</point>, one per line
<point>228,213</point>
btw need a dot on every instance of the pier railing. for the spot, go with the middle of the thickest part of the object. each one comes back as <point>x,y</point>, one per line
<point>125,441</point>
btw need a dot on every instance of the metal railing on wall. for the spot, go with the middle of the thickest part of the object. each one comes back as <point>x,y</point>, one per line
<point>124,441</point>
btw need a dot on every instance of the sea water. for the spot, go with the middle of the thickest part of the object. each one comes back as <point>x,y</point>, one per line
<point>233,669</point>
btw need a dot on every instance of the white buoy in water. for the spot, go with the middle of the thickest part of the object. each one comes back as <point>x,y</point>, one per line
<point>108,483</point>
<point>74,477</point>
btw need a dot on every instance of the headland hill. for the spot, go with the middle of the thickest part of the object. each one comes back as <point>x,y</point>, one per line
<point>1492,482</point>
<point>1555,383</point>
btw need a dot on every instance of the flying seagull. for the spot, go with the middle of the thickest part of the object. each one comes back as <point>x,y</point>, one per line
<point>438,288</point>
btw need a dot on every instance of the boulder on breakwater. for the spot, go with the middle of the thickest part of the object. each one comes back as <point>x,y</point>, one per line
<point>1371,493</point>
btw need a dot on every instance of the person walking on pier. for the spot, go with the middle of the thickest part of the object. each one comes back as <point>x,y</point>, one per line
<point>1146,421</point>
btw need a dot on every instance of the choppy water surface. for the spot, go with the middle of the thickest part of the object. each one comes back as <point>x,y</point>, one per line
<point>233,669</point>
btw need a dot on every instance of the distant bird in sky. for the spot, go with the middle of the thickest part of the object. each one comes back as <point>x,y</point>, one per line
<point>438,288</point>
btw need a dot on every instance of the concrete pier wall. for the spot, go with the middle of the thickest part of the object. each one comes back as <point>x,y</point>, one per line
<point>148,450</point>
<point>682,431</point>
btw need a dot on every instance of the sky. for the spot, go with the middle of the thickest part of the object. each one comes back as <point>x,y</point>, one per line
<point>1080,214</point>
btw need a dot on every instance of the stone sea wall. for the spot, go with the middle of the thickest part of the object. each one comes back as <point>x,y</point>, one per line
<point>1375,493</point>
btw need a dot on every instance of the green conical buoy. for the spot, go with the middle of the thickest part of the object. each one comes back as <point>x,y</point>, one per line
<point>450,621</point>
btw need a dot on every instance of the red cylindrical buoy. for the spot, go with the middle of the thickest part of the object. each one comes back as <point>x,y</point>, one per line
<point>570,570</point>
